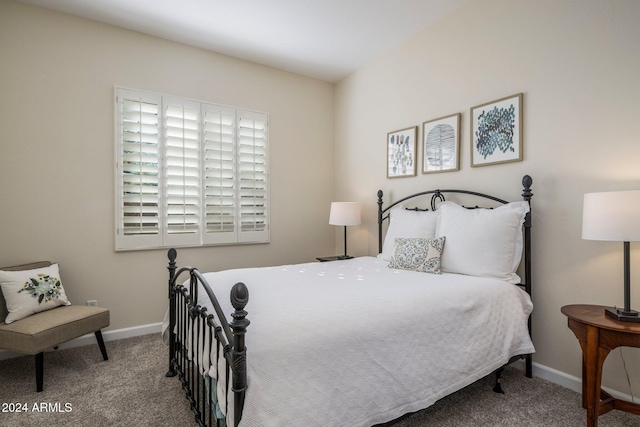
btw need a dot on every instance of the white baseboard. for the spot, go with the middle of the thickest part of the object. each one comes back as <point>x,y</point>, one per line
<point>117,334</point>
<point>565,380</point>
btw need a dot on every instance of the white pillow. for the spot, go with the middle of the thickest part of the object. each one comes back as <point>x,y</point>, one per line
<point>407,223</point>
<point>482,242</point>
<point>28,292</point>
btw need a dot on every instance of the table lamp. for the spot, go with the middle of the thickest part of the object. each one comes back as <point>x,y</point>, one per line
<point>615,216</point>
<point>344,213</point>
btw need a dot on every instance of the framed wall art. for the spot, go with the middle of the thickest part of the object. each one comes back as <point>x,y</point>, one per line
<point>401,152</point>
<point>441,144</point>
<point>496,132</point>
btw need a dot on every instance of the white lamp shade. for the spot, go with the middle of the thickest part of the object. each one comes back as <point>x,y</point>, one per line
<point>613,216</point>
<point>344,213</point>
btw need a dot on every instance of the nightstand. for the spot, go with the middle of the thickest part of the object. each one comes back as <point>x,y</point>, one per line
<point>598,335</point>
<point>333,258</point>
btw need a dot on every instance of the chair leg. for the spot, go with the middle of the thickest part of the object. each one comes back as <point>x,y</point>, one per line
<point>103,349</point>
<point>39,371</point>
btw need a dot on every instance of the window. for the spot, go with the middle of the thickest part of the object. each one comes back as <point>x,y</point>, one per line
<point>189,173</point>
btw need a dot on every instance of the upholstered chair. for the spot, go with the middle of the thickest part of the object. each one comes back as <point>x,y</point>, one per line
<point>34,332</point>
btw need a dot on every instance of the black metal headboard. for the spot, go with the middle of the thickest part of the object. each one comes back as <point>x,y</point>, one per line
<point>439,195</point>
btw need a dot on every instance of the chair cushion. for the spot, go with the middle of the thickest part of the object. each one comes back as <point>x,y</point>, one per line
<point>47,329</point>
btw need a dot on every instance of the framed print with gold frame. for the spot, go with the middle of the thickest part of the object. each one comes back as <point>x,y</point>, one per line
<point>401,152</point>
<point>441,144</point>
<point>496,131</point>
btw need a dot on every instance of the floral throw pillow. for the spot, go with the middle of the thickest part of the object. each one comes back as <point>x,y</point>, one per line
<point>28,292</point>
<point>417,254</point>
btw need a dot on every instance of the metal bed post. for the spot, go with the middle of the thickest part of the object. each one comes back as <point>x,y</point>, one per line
<point>172,254</point>
<point>379,221</point>
<point>239,299</point>
<point>527,181</point>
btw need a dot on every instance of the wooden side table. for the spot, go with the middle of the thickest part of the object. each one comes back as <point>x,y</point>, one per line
<point>598,335</point>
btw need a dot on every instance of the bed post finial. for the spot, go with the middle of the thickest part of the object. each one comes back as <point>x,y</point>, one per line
<point>239,296</point>
<point>527,181</point>
<point>239,299</point>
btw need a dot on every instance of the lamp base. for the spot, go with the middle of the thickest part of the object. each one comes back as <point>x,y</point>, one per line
<point>622,315</point>
<point>341,257</point>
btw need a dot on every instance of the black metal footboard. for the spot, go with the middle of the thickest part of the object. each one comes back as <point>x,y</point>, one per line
<point>193,334</point>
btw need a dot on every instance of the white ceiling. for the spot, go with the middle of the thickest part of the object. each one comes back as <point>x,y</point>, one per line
<point>325,39</point>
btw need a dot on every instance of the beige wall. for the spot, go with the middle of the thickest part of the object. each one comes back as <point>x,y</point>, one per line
<point>57,76</point>
<point>577,63</point>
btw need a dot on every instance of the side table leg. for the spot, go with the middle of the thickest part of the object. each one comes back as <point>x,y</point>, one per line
<point>593,359</point>
<point>584,382</point>
<point>590,379</point>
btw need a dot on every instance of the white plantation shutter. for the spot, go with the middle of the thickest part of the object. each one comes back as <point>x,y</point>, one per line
<point>220,174</point>
<point>189,173</point>
<point>182,171</point>
<point>252,171</point>
<point>138,186</point>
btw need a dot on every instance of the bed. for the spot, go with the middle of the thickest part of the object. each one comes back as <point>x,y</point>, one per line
<point>359,342</point>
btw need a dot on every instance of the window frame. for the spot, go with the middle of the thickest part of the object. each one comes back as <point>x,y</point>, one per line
<point>164,238</point>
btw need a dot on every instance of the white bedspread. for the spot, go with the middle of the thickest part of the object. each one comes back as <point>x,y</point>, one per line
<point>354,343</point>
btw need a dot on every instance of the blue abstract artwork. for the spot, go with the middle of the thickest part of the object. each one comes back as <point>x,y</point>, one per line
<point>496,131</point>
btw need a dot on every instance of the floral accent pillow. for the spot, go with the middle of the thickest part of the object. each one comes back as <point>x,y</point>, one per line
<point>28,292</point>
<point>417,254</point>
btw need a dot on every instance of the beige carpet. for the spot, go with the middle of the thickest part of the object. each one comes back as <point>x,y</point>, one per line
<point>131,390</point>
<point>526,403</point>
